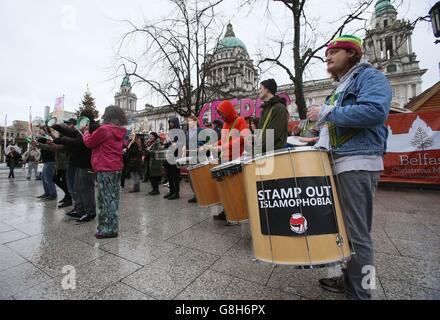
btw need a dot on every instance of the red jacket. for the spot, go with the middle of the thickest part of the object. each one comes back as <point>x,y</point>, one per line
<point>106,143</point>
<point>234,141</point>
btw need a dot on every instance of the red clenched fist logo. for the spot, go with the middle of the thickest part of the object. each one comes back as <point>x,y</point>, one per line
<point>298,223</point>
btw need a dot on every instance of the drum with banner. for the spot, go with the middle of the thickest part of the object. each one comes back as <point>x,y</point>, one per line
<point>230,185</point>
<point>294,210</point>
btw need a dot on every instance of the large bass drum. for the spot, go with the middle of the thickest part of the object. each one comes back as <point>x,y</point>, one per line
<point>294,210</point>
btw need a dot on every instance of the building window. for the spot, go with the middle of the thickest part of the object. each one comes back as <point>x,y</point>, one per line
<point>389,50</point>
<point>385,23</point>
<point>391,68</point>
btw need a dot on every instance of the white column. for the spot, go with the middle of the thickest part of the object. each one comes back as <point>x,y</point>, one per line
<point>410,45</point>
<point>419,88</point>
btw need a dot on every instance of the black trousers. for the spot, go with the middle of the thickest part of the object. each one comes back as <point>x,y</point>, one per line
<point>173,175</point>
<point>11,172</point>
<point>124,176</point>
<point>85,192</point>
<point>155,181</point>
<point>60,179</point>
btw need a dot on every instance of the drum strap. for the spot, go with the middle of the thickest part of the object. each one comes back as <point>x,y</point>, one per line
<point>336,141</point>
<point>266,122</point>
<point>232,128</point>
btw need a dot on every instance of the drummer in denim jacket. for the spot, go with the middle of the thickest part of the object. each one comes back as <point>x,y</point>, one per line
<point>352,127</point>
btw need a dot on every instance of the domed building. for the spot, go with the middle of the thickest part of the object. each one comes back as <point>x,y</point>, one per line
<point>387,43</point>
<point>388,46</point>
<point>125,98</point>
<point>230,67</point>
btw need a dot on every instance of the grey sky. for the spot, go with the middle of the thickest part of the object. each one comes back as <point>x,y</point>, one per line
<point>53,47</point>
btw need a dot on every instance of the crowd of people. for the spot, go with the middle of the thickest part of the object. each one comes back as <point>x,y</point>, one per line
<point>350,124</point>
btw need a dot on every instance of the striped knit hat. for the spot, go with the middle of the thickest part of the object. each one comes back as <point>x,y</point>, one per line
<point>347,42</point>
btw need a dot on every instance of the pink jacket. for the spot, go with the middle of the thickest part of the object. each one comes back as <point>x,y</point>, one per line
<point>106,143</point>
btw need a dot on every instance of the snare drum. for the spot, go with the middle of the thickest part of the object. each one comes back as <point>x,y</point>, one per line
<point>294,210</point>
<point>203,185</point>
<point>230,185</point>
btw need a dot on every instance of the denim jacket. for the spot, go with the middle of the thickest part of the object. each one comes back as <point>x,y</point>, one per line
<point>364,104</point>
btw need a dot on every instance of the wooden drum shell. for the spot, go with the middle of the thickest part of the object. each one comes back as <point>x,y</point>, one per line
<point>301,251</point>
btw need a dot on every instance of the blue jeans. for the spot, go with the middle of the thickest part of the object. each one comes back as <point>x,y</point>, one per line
<point>48,184</point>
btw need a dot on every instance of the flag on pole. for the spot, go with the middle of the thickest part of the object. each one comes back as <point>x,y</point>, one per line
<point>58,110</point>
<point>6,129</point>
<point>30,121</point>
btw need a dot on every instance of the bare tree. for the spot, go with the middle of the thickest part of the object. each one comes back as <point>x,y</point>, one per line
<point>177,56</point>
<point>305,46</point>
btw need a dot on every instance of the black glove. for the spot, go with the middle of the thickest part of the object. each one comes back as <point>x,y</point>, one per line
<point>56,126</point>
<point>93,126</point>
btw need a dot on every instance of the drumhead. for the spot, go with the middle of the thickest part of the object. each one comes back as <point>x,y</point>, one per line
<point>50,122</point>
<point>283,151</point>
<point>229,164</point>
<point>202,164</point>
<point>81,122</point>
<point>227,169</point>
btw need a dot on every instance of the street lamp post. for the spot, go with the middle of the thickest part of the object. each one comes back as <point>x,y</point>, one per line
<point>435,20</point>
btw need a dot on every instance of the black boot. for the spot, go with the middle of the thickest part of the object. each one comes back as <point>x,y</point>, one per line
<point>135,188</point>
<point>167,195</point>
<point>65,203</point>
<point>86,218</point>
<point>174,196</point>
<point>73,214</point>
<point>193,200</point>
<point>154,193</point>
<point>335,284</point>
<point>220,217</point>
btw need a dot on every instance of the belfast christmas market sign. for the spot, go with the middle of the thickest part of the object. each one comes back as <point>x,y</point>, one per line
<point>413,148</point>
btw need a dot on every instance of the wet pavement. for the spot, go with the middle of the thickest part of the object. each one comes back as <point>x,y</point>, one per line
<point>174,250</point>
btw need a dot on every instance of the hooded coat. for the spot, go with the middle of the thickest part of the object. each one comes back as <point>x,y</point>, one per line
<point>230,142</point>
<point>106,144</point>
<point>175,121</point>
<point>278,121</point>
<point>154,165</point>
<point>133,161</point>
